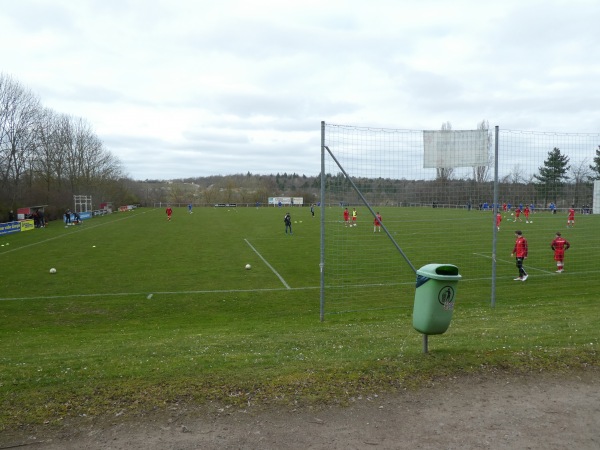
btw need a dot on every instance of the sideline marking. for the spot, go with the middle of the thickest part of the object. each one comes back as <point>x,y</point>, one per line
<point>69,233</point>
<point>512,262</point>
<point>268,265</point>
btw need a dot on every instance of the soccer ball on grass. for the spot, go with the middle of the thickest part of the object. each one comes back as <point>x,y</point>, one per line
<point>53,270</point>
<point>248,267</point>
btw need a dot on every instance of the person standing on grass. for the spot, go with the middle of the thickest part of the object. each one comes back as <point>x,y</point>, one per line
<point>169,212</point>
<point>571,217</point>
<point>354,216</point>
<point>520,252</point>
<point>559,245</point>
<point>346,217</point>
<point>498,220</point>
<point>377,223</point>
<point>526,211</point>
<point>287,219</point>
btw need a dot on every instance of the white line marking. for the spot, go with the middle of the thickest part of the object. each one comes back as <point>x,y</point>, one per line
<point>81,228</point>
<point>232,291</point>
<point>512,262</point>
<point>128,294</point>
<point>268,265</point>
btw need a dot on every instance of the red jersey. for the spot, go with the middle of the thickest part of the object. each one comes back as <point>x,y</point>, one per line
<point>169,211</point>
<point>571,214</point>
<point>346,215</point>
<point>560,244</point>
<point>517,212</point>
<point>377,220</point>
<point>520,250</point>
<point>526,211</point>
<point>498,219</point>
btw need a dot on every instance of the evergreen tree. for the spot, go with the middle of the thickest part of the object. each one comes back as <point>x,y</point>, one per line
<point>552,175</point>
<point>596,166</point>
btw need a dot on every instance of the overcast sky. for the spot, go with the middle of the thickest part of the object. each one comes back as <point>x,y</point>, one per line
<point>183,88</point>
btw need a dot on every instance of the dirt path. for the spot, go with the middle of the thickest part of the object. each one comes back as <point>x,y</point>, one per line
<point>543,412</point>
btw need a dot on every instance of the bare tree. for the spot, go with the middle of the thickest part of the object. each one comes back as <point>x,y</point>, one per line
<point>516,176</point>
<point>481,173</point>
<point>19,111</point>
<point>210,195</point>
<point>47,149</point>
<point>581,174</point>
<point>445,173</point>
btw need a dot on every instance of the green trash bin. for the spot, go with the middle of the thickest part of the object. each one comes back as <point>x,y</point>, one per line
<point>434,298</point>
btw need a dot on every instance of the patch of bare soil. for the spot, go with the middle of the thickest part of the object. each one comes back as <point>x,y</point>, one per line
<point>533,412</point>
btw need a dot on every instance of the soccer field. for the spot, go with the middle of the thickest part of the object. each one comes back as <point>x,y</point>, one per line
<point>368,269</point>
<point>142,312</point>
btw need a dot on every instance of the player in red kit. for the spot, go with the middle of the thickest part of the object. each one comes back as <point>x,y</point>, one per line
<point>377,223</point>
<point>346,217</point>
<point>518,214</point>
<point>498,220</point>
<point>571,217</point>
<point>520,252</point>
<point>559,245</point>
<point>169,212</point>
<point>526,211</point>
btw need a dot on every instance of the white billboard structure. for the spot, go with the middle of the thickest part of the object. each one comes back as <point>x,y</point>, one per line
<point>286,201</point>
<point>449,149</point>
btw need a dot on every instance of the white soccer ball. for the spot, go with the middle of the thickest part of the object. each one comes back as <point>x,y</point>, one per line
<point>53,270</point>
<point>248,267</point>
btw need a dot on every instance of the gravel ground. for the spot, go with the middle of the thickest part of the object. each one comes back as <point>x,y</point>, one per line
<point>530,412</point>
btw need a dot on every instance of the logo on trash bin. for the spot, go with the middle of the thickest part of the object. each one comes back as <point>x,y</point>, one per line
<point>446,298</point>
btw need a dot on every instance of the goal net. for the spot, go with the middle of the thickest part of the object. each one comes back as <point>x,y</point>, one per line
<point>439,194</point>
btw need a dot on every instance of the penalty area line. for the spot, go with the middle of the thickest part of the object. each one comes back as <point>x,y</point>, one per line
<point>268,265</point>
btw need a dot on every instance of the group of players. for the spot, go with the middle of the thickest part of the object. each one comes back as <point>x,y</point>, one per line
<point>376,221</point>
<point>526,212</point>
<point>520,251</point>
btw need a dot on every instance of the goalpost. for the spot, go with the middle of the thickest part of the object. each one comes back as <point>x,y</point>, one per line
<point>82,203</point>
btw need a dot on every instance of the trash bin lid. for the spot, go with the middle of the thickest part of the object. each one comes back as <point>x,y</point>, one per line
<point>440,272</point>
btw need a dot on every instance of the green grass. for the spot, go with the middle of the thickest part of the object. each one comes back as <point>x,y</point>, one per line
<point>143,313</point>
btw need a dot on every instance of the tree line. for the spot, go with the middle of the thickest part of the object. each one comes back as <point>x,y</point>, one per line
<point>46,157</point>
<point>556,181</point>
